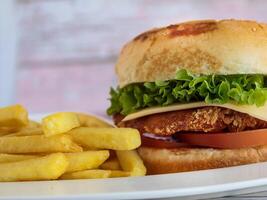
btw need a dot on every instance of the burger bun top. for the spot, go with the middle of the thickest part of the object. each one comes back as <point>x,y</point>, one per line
<point>201,47</point>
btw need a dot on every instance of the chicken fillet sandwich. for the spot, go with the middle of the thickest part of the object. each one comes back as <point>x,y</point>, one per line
<point>197,93</point>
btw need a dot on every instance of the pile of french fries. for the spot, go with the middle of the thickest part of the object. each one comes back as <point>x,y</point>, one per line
<point>65,145</point>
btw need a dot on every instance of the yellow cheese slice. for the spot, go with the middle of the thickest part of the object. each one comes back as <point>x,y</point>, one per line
<point>252,110</point>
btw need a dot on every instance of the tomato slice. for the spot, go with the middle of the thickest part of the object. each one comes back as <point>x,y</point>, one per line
<point>243,139</point>
<point>151,140</point>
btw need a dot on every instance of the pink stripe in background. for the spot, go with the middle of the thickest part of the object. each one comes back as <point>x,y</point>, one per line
<point>72,88</point>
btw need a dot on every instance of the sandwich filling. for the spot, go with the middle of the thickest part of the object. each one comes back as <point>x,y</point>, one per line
<point>206,119</point>
<point>241,89</point>
<point>170,127</point>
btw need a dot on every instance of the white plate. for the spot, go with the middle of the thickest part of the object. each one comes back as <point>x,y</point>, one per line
<point>188,185</point>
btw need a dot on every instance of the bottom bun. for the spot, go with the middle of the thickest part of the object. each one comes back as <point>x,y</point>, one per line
<point>160,161</point>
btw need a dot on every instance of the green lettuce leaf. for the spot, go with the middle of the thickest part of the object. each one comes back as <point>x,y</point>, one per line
<point>240,89</point>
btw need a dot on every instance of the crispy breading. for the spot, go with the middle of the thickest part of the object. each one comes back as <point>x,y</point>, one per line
<point>206,119</point>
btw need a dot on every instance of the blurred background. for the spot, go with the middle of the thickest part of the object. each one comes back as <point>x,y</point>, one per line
<point>59,54</point>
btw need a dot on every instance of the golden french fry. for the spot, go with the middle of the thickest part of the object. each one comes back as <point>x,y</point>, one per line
<point>111,164</point>
<point>4,158</point>
<point>38,144</point>
<point>27,132</point>
<point>119,173</point>
<point>106,138</point>
<point>44,168</point>
<point>58,123</point>
<point>13,116</point>
<point>86,160</point>
<point>87,174</point>
<point>32,128</point>
<point>91,121</point>
<point>131,162</point>
<point>7,130</point>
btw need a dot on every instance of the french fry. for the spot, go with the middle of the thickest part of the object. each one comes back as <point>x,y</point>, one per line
<point>7,130</point>
<point>44,168</point>
<point>87,174</point>
<point>32,128</point>
<point>38,144</point>
<point>24,130</point>
<point>119,173</point>
<point>5,158</point>
<point>24,145</point>
<point>86,160</point>
<point>27,132</point>
<point>91,121</point>
<point>111,164</point>
<point>131,162</point>
<point>13,116</point>
<point>106,138</point>
<point>59,123</point>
